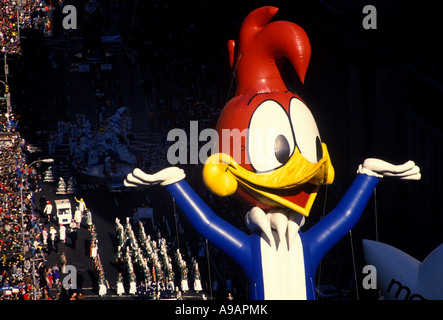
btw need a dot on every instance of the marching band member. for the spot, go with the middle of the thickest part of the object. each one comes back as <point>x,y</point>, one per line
<point>120,287</point>
<point>197,279</point>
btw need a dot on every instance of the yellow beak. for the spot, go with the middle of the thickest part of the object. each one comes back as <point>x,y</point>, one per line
<point>222,176</point>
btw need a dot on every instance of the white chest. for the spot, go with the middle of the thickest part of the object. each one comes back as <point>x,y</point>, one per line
<point>283,269</point>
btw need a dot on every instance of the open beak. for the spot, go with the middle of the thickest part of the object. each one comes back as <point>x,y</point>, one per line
<point>293,186</point>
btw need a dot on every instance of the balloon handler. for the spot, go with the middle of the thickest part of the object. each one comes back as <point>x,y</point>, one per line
<point>277,169</point>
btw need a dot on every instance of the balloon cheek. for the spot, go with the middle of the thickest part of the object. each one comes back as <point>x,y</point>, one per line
<point>217,177</point>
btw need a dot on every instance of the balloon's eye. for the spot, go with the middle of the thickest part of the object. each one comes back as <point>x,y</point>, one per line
<point>270,138</point>
<point>306,132</point>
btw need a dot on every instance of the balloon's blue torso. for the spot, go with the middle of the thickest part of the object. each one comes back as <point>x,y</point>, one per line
<point>246,249</point>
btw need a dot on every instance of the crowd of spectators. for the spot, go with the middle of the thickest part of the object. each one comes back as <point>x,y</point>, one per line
<point>24,273</point>
<point>27,14</point>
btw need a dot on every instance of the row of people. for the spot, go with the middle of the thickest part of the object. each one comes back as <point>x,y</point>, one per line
<point>129,245</point>
<point>152,259</point>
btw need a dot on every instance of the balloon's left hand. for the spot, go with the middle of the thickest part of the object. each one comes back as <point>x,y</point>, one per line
<point>164,177</point>
<point>379,168</point>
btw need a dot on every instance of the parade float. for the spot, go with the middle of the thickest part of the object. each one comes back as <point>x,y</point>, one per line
<point>107,149</point>
<point>276,167</point>
<point>402,277</point>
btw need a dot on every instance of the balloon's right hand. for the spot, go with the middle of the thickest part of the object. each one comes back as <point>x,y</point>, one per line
<point>164,177</point>
<point>380,168</point>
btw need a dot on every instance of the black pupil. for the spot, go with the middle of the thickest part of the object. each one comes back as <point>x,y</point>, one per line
<point>319,149</point>
<point>282,149</point>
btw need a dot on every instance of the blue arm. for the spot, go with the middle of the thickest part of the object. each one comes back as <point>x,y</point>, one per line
<point>334,226</point>
<point>219,232</point>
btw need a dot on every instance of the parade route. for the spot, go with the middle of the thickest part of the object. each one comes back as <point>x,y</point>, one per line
<point>62,85</point>
<point>105,207</point>
<point>75,91</point>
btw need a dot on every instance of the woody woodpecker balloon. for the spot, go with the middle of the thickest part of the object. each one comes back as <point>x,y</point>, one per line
<point>275,161</point>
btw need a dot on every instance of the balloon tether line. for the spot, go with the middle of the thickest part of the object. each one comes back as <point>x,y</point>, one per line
<point>233,77</point>
<point>376,226</point>
<point>353,264</point>
<point>376,214</point>
<point>323,215</point>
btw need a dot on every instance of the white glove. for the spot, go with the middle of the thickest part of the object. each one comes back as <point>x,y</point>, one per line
<point>379,168</point>
<point>164,177</point>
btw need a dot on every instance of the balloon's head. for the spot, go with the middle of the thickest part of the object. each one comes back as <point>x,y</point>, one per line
<point>270,151</point>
